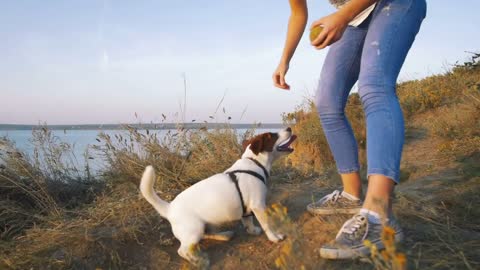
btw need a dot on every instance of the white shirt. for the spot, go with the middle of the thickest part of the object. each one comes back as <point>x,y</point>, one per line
<point>360,17</point>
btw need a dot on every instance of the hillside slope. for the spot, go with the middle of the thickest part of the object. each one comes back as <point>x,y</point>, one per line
<point>436,201</point>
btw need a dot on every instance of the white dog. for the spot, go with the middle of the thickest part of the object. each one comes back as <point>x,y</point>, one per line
<point>223,197</point>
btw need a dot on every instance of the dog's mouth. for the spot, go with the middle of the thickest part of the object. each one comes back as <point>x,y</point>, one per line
<point>285,146</point>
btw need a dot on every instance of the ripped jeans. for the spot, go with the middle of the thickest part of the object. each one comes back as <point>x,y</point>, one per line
<point>372,53</point>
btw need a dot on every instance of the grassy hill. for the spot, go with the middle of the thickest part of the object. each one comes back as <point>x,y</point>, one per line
<point>56,216</point>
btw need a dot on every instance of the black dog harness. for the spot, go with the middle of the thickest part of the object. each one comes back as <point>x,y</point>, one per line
<point>234,179</point>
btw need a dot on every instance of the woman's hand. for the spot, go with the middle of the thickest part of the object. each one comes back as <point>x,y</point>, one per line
<point>333,27</point>
<point>279,77</point>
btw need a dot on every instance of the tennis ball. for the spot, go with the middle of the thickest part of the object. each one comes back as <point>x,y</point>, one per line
<point>315,31</point>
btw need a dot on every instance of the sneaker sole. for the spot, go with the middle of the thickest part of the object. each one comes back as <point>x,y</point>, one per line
<point>342,254</point>
<point>353,253</point>
<point>330,211</point>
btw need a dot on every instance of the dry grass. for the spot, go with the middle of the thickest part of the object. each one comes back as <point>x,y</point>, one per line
<point>443,229</point>
<point>438,90</point>
<point>291,255</point>
<point>458,125</point>
<point>311,148</point>
<point>56,215</point>
<point>312,153</point>
<point>389,257</point>
<point>96,236</point>
<point>176,156</point>
<point>44,190</point>
<point>49,184</point>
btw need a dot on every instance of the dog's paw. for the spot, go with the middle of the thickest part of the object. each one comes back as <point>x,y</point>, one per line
<point>254,230</point>
<point>281,236</point>
<point>275,238</point>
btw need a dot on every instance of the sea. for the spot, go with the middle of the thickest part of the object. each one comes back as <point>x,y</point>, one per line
<point>83,140</point>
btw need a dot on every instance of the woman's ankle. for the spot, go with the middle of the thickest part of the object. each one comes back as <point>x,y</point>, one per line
<point>384,211</point>
<point>352,184</point>
<point>379,195</point>
<point>352,194</point>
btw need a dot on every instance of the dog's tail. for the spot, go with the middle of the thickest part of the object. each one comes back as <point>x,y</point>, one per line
<point>146,187</point>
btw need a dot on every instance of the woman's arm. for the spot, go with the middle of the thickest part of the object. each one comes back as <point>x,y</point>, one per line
<point>296,27</point>
<point>335,24</point>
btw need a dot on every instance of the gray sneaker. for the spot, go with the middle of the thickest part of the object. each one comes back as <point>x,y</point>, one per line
<point>349,242</point>
<point>335,203</point>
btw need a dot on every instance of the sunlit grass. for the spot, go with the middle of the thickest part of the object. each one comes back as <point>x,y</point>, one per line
<point>55,212</point>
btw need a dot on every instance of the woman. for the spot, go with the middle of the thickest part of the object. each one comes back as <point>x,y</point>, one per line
<point>368,41</point>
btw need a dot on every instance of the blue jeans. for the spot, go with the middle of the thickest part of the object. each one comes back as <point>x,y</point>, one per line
<point>373,54</point>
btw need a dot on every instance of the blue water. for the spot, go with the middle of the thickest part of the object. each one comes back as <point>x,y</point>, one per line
<point>80,140</point>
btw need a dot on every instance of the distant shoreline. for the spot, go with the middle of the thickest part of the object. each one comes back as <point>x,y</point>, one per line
<point>152,126</point>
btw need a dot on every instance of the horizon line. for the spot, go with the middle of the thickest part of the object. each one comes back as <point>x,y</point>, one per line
<point>138,125</point>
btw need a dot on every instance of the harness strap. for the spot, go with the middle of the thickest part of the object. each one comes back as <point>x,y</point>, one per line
<point>234,179</point>
<point>252,173</point>
<point>261,166</point>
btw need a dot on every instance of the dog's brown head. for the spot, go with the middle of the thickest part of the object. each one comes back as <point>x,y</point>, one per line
<point>271,142</point>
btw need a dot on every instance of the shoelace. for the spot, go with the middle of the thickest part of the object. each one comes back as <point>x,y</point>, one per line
<point>354,224</point>
<point>333,197</point>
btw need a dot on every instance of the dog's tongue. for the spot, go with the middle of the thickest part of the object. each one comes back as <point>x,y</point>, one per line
<point>287,144</point>
<point>290,141</point>
<point>293,138</point>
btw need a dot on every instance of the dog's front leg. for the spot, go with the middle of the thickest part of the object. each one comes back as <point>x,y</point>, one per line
<point>261,214</point>
<point>251,228</point>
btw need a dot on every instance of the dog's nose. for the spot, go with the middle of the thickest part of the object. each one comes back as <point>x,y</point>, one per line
<point>289,129</point>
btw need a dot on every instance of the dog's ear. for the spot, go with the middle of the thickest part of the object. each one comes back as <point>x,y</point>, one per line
<point>256,144</point>
<point>261,143</point>
<point>245,144</point>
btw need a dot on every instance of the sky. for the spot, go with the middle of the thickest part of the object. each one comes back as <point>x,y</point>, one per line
<point>99,62</point>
